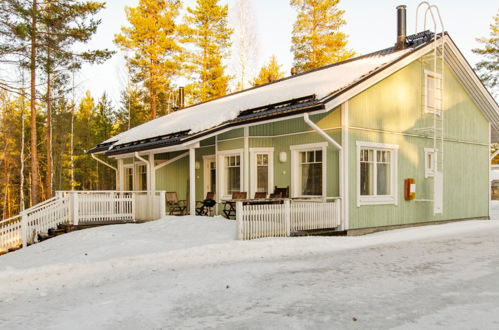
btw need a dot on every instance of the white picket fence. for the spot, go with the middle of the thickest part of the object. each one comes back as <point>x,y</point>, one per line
<point>80,207</point>
<point>280,220</point>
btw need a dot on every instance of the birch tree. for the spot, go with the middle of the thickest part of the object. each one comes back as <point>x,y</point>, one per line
<point>245,44</point>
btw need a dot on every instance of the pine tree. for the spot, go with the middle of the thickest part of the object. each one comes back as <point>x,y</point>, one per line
<point>269,73</point>
<point>317,40</point>
<point>488,68</point>
<point>152,38</point>
<point>62,24</point>
<point>132,111</point>
<point>207,31</point>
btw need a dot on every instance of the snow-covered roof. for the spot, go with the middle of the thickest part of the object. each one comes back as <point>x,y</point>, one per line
<point>204,116</point>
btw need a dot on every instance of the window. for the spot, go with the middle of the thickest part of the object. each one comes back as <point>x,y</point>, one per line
<point>377,173</point>
<point>213,176</point>
<point>430,161</point>
<point>128,179</point>
<point>261,170</point>
<point>142,172</point>
<point>309,170</point>
<point>433,92</point>
<point>232,174</point>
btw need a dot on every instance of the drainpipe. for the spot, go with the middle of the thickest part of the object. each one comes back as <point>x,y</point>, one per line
<point>338,147</point>
<point>316,128</point>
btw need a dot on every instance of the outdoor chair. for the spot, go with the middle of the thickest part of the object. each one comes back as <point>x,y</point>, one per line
<point>175,206</point>
<point>206,206</point>
<point>261,195</point>
<point>230,206</point>
<point>281,192</point>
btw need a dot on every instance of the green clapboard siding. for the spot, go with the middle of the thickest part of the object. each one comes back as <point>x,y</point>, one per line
<point>395,105</point>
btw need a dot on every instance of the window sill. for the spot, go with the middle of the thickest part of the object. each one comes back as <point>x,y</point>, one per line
<point>374,200</point>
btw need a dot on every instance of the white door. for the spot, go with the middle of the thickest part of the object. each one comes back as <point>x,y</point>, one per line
<point>210,174</point>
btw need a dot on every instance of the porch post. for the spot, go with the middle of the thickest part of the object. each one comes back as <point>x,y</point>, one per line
<point>344,174</point>
<point>192,181</point>
<point>120,184</point>
<point>152,177</point>
<point>246,161</point>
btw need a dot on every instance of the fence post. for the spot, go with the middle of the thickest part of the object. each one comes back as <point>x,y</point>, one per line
<point>134,215</point>
<point>24,229</point>
<point>162,204</point>
<point>74,207</point>
<point>239,220</point>
<point>287,217</point>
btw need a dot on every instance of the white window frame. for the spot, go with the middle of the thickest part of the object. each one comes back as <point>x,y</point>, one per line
<point>253,169</point>
<point>429,172</point>
<point>296,173</point>
<point>438,78</point>
<point>379,199</point>
<point>125,168</point>
<point>221,171</point>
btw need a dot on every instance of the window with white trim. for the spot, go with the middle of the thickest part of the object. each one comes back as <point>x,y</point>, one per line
<point>433,92</point>
<point>309,170</point>
<point>261,170</point>
<point>377,173</point>
<point>232,176</point>
<point>430,161</point>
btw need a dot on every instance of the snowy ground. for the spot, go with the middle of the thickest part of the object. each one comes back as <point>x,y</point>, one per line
<point>191,273</point>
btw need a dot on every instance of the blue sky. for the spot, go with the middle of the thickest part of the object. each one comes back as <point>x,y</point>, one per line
<point>371,25</point>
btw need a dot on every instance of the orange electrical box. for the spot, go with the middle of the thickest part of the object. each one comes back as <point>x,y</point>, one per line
<point>409,189</point>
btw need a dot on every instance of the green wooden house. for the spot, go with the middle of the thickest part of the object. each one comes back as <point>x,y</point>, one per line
<point>400,136</point>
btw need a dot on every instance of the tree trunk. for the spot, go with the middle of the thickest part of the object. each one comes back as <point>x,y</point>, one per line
<point>34,153</point>
<point>154,101</point>
<point>49,134</point>
<point>21,156</point>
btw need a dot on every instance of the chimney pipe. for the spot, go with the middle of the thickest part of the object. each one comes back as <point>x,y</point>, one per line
<point>181,97</point>
<point>401,27</point>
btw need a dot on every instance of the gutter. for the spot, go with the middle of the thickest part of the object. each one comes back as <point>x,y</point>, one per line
<point>103,162</point>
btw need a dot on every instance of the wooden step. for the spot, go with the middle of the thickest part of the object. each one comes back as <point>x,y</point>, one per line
<point>318,232</point>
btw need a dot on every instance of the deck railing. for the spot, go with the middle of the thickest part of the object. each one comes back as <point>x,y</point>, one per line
<point>80,207</point>
<point>285,217</point>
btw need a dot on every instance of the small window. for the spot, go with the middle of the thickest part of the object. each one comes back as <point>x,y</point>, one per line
<point>430,161</point>
<point>376,173</point>
<point>232,174</point>
<point>433,92</point>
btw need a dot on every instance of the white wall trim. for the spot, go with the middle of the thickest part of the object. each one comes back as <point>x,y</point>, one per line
<point>377,145</point>
<point>414,135</point>
<point>345,173</point>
